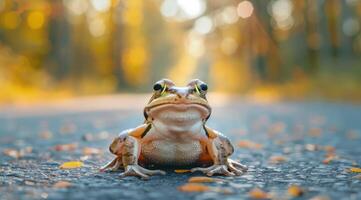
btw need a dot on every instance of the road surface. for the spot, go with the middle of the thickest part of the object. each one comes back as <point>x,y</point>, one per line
<point>312,145</point>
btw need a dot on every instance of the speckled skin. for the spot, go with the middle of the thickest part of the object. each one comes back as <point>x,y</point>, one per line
<point>174,134</point>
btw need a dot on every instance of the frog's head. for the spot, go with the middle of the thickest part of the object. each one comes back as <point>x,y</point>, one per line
<point>179,104</point>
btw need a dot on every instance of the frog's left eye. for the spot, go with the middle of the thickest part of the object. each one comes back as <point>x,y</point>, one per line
<point>157,87</point>
<point>204,87</point>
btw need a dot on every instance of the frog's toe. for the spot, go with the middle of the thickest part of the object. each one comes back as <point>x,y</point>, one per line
<point>233,169</point>
<point>236,164</point>
<point>113,165</point>
<point>136,170</point>
<point>214,169</point>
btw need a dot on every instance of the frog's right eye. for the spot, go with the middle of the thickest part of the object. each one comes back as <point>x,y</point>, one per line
<point>157,87</point>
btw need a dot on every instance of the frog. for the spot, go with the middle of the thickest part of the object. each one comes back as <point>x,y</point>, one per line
<point>174,134</point>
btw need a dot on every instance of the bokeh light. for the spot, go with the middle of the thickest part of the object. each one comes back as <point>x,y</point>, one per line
<point>80,47</point>
<point>76,7</point>
<point>183,9</point>
<point>281,11</point>
<point>203,25</point>
<point>35,19</point>
<point>351,27</point>
<point>245,9</point>
<point>101,5</point>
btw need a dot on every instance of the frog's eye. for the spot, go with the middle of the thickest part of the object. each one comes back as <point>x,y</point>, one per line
<point>203,87</point>
<point>157,87</point>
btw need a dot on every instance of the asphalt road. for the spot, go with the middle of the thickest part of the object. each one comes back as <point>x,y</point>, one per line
<point>309,144</point>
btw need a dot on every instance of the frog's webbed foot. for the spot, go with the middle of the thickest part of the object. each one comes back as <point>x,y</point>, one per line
<point>214,169</point>
<point>227,169</point>
<point>113,165</point>
<point>136,170</point>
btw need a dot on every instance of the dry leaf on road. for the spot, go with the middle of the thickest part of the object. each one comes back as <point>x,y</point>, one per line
<point>71,165</point>
<point>201,179</point>
<point>193,187</point>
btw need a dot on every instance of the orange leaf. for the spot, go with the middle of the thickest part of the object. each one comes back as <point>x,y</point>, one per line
<point>193,187</point>
<point>71,165</point>
<point>295,191</point>
<point>12,153</point>
<point>180,171</point>
<point>66,147</point>
<point>277,159</point>
<point>249,144</point>
<point>201,179</point>
<point>62,184</point>
<point>91,151</point>
<point>328,159</point>
<point>257,193</point>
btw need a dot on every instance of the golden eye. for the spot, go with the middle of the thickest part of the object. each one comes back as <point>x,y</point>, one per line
<point>164,89</point>
<point>197,89</point>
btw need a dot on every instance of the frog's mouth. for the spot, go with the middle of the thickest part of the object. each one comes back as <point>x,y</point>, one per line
<point>180,112</point>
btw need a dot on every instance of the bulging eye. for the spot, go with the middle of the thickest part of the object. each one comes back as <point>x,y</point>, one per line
<point>157,87</point>
<point>204,87</point>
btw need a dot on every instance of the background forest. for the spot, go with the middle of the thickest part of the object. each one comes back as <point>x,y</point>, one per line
<point>265,48</point>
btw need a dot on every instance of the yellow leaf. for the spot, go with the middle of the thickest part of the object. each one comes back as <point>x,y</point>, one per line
<point>71,165</point>
<point>355,169</point>
<point>180,171</point>
<point>257,193</point>
<point>201,179</point>
<point>193,187</point>
<point>295,191</point>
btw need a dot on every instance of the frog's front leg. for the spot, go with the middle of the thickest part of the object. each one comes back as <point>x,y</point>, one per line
<point>130,156</point>
<point>219,149</point>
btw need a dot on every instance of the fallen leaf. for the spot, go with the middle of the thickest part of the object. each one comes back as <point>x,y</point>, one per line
<point>277,159</point>
<point>29,183</point>
<point>295,191</point>
<point>201,179</point>
<point>257,193</point>
<point>12,153</point>
<point>71,165</point>
<point>355,169</point>
<point>66,147</point>
<point>181,171</point>
<point>193,187</point>
<point>17,153</point>
<point>91,151</point>
<point>328,159</point>
<point>311,147</point>
<point>62,184</point>
<point>249,144</point>
<point>315,132</point>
